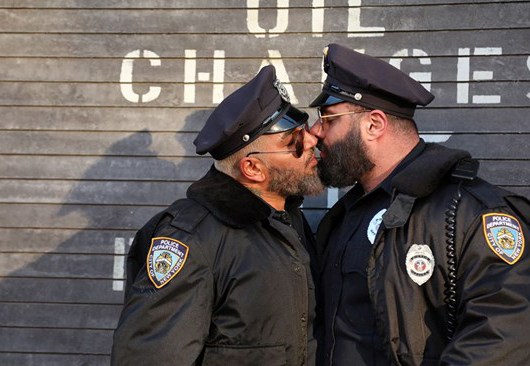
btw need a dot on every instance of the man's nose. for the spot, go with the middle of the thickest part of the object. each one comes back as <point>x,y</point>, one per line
<point>310,141</point>
<point>316,130</point>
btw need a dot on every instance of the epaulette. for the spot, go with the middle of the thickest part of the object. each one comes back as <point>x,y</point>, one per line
<point>521,205</point>
<point>187,214</point>
<point>465,169</point>
<point>491,196</point>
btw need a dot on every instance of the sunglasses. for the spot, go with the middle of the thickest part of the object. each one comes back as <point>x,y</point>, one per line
<point>297,140</point>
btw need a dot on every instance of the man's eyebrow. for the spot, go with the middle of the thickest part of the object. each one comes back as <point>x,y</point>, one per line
<point>286,134</point>
<point>325,109</point>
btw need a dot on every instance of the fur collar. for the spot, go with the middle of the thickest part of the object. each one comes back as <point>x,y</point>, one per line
<point>231,202</point>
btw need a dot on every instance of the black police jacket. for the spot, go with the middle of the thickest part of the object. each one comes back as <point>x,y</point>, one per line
<point>243,295</point>
<point>473,307</point>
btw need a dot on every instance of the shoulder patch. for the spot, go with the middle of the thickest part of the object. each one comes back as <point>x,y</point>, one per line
<point>165,259</point>
<point>504,236</point>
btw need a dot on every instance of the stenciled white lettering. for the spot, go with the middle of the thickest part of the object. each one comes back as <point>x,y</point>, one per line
<point>126,77</point>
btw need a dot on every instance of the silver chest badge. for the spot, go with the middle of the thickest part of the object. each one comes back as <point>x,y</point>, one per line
<point>420,263</point>
<point>374,224</point>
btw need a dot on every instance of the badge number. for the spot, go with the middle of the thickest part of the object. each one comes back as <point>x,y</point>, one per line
<point>504,236</point>
<point>165,259</point>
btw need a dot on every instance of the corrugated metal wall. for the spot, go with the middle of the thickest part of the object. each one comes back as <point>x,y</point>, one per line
<point>101,99</point>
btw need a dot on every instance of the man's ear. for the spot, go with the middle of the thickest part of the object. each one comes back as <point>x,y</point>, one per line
<point>253,170</point>
<point>375,125</point>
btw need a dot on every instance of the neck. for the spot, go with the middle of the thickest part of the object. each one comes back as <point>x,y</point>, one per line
<point>376,176</point>
<point>386,160</point>
<point>276,201</point>
<point>273,199</point>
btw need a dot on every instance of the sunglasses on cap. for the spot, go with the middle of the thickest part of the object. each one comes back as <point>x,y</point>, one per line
<point>297,140</point>
<point>291,117</point>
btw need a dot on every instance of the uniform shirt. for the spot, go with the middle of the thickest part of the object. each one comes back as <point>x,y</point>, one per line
<point>351,337</point>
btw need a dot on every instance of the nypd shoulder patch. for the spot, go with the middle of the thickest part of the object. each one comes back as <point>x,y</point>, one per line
<point>504,236</point>
<point>165,259</point>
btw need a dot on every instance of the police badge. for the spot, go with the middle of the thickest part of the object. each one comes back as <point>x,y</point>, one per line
<point>281,89</point>
<point>420,263</point>
<point>165,259</point>
<point>504,236</point>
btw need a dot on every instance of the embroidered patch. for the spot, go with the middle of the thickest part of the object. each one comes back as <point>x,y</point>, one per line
<point>504,236</point>
<point>420,263</point>
<point>374,224</point>
<point>165,259</point>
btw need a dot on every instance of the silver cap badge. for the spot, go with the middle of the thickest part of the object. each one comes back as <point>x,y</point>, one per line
<point>281,89</point>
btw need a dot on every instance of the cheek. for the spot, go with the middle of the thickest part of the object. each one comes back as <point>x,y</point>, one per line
<point>334,134</point>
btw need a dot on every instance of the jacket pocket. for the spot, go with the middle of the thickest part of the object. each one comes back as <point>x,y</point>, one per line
<point>244,356</point>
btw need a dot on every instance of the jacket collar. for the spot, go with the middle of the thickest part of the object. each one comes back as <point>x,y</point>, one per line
<point>419,179</point>
<point>423,175</point>
<point>231,202</point>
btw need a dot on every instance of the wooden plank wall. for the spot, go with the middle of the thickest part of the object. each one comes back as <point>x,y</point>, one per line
<point>100,101</point>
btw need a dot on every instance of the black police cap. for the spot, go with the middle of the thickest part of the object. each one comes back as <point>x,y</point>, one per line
<point>260,106</point>
<point>370,82</point>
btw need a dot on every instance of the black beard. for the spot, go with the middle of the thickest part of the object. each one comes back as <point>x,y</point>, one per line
<point>345,162</point>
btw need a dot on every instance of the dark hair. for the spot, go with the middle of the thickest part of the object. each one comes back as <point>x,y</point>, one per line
<point>404,125</point>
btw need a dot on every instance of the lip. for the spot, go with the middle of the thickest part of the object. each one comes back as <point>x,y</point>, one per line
<point>313,162</point>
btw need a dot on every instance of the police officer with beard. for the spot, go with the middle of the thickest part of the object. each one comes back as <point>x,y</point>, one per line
<point>222,277</point>
<point>423,263</point>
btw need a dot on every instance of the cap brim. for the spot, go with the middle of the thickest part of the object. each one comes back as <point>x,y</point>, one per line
<point>292,118</point>
<point>325,99</point>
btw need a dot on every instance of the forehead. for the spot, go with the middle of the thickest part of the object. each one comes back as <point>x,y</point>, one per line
<point>335,108</point>
<point>277,137</point>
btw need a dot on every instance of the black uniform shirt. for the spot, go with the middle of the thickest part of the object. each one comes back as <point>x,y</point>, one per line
<point>354,329</point>
<point>351,337</point>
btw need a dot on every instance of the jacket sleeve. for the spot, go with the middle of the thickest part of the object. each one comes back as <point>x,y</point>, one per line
<point>493,298</point>
<point>167,325</point>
